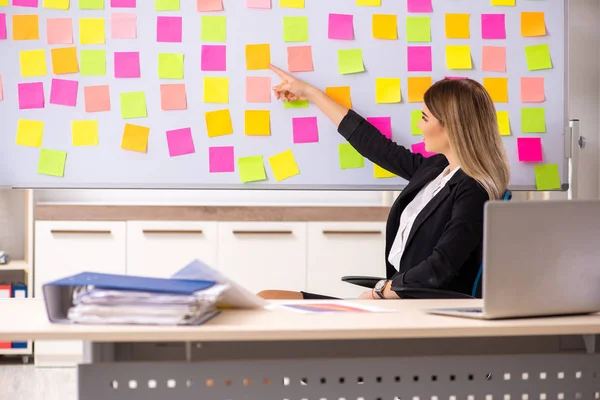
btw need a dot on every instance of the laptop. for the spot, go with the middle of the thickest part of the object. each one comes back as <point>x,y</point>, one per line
<point>540,258</point>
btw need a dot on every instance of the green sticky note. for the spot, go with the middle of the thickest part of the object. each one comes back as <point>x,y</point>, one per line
<point>296,104</point>
<point>538,57</point>
<point>418,29</point>
<point>251,169</point>
<point>91,4</point>
<point>295,29</point>
<point>547,177</point>
<point>52,162</point>
<point>350,61</point>
<point>415,117</point>
<point>349,157</point>
<point>166,5</point>
<point>133,105</point>
<point>170,66</point>
<point>214,28</point>
<point>92,62</point>
<point>533,120</point>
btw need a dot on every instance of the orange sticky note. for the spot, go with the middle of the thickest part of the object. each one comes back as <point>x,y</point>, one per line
<point>497,88</point>
<point>341,94</point>
<point>135,138</point>
<point>258,56</point>
<point>218,123</point>
<point>257,122</point>
<point>457,26</point>
<point>64,60</point>
<point>532,90</point>
<point>493,58</point>
<point>25,27</point>
<point>533,24</point>
<point>417,86</point>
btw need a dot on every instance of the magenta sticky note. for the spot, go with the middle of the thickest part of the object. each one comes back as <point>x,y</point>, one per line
<point>31,95</point>
<point>2,26</point>
<point>122,3</point>
<point>492,26</point>
<point>456,77</point>
<point>221,159</point>
<point>306,130</point>
<point>419,58</point>
<point>169,29</point>
<point>530,149</point>
<point>180,142</point>
<point>341,26</point>
<point>420,148</point>
<point>214,58</point>
<point>64,92</point>
<point>419,6</point>
<point>383,124</point>
<point>25,3</point>
<point>127,64</point>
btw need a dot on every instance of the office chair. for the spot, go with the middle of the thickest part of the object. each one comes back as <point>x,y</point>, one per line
<point>425,293</point>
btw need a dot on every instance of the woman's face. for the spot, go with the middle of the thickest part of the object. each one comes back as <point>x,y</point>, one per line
<point>435,135</point>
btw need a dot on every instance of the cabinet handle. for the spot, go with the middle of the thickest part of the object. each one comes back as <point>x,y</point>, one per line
<point>80,232</point>
<point>352,232</point>
<point>262,232</point>
<point>174,231</point>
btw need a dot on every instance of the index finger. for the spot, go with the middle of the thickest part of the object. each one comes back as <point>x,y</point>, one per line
<point>282,74</point>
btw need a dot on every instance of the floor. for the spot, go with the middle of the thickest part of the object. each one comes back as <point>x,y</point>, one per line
<point>25,382</point>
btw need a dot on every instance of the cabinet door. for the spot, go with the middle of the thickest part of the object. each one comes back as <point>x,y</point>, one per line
<point>336,249</point>
<point>161,248</point>
<point>263,255</point>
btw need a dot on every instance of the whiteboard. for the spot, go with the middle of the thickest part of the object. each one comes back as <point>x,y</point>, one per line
<point>107,165</point>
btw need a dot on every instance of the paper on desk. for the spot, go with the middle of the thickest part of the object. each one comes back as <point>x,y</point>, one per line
<point>311,307</point>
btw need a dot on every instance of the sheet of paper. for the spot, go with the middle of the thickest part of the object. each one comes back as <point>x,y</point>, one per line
<point>97,98</point>
<point>59,31</point>
<point>369,3</point>
<point>258,89</point>
<point>538,57</point>
<point>350,61</point>
<point>251,169</point>
<point>2,26</point>
<point>420,149</point>
<point>32,63</point>
<point>264,4</point>
<point>349,157</point>
<point>385,26</point>
<point>30,133</point>
<point>25,27</point>
<point>52,162</point>
<point>305,130</point>
<point>64,60</point>
<point>284,165</point>
<point>166,5</point>
<point>57,4</point>
<point>530,149</point>
<point>493,26</point>
<point>341,26</point>
<point>418,29</point>
<point>547,177</point>
<point>91,31</point>
<point>493,59</point>
<point>180,142</point>
<point>382,173</point>
<point>300,59</point>
<point>458,57</point>
<point>291,3</point>
<point>93,62</point>
<point>415,118</point>
<point>133,105</point>
<point>532,90</point>
<point>419,6</point>
<point>503,123</point>
<point>64,92</point>
<point>497,88</point>
<point>122,3</point>
<point>383,125</point>
<point>218,123</point>
<point>216,90</point>
<point>127,64</point>
<point>209,5</point>
<point>170,66</point>
<point>173,97</point>
<point>419,58</point>
<point>91,4</point>
<point>221,159</point>
<point>258,56</point>
<point>295,29</point>
<point>123,26</point>
<point>341,94</point>
<point>533,120</point>
<point>24,3</point>
<point>31,95</point>
<point>503,2</point>
<point>387,90</point>
<point>457,26</point>
<point>533,24</point>
<point>84,133</point>
<point>257,122</point>
<point>135,138</point>
<point>169,29</point>
<point>214,28</point>
<point>214,57</point>
<point>417,86</point>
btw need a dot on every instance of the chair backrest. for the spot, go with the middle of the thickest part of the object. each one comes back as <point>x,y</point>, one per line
<point>476,285</point>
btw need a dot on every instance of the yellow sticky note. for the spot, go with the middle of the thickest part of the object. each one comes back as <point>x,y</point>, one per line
<point>371,3</point>
<point>3,3</point>
<point>457,26</point>
<point>417,86</point>
<point>257,122</point>
<point>25,27</point>
<point>291,3</point>
<point>84,133</point>
<point>503,123</point>
<point>64,60</point>
<point>30,133</point>
<point>91,31</point>
<point>387,90</point>
<point>258,56</point>
<point>341,94</point>
<point>57,4</point>
<point>497,88</point>
<point>458,57</point>
<point>381,173</point>
<point>533,24</point>
<point>216,90</point>
<point>284,165</point>
<point>218,123</point>
<point>385,26</point>
<point>503,2</point>
<point>32,62</point>
<point>135,138</point>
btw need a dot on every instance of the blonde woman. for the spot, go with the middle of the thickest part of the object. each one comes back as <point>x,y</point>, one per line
<point>435,227</point>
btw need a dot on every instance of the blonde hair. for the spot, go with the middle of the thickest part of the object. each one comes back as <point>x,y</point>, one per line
<point>467,111</point>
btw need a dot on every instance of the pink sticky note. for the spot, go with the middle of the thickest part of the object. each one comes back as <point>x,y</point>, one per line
<point>420,148</point>
<point>180,142</point>
<point>168,29</point>
<point>258,89</point>
<point>383,124</point>
<point>300,59</point>
<point>419,58</point>
<point>456,77</point>
<point>530,149</point>
<point>25,3</point>
<point>258,3</point>
<point>306,130</point>
<point>532,90</point>
<point>209,5</point>
<point>173,97</point>
<point>64,92</point>
<point>59,30</point>
<point>127,64</point>
<point>214,58</point>
<point>2,26</point>
<point>1,91</point>
<point>221,159</point>
<point>492,26</point>
<point>493,58</point>
<point>123,26</point>
<point>419,6</point>
<point>31,95</point>
<point>341,26</point>
<point>97,98</point>
<point>122,3</point>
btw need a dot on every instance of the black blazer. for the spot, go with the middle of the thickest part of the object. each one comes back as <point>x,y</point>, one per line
<point>444,246</point>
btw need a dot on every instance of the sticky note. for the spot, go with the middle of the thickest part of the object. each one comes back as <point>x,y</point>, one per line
<point>493,59</point>
<point>52,162</point>
<point>503,2</point>
<point>127,64</point>
<point>214,28</point>
<point>382,124</point>
<point>59,31</point>
<point>493,26</point>
<point>417,86</point>
<point>385,26</point>
<point>547,177</point>
<point>31,95</point>
<point>166,5</point>
<point>251,169</point>
<point>419,58</point>
<point>341,94</point>
<point>415,118</point>
<point>91,31</point>
<point>209,5</point>
<point>258,56</point>
<point>173,97</point>
<point>533,24</point>
<point>503,123</point>
<point>93,62</point>
<point>418,29</point>
<point>258,89</point>
<point>381,173</point>
<point>64,60</point>
<point>30,133</point>
<point>300,59</point>
<point>23,3</point>
<point>538,57</point>
<point>456,77</point>
<point>419,6</point>
<point>216,90</point>
<point>3,3</point>
<point>25,27</point>
<point>32,63</point>
<point>305,130</point>
<point>63,92</point>
<point>214,58</point>
<point>291,3</point>
<point>2,26</point>
<point>419,148</point>
<point>122,3</point>
<point>257,122</point>
<point>169,29</point>
<point>341,27</point>
<point>180,142</point>
<point>458,57</point>
<point>135,138</point>
<point>497,88</point>
<point>284,165</point>
<point>349,157</point>
<point>295,29</point>
<point>387,90</point>
<point>91,4</point>
<point>221,159</point>
<point>369,3</point>
<point>532,90</point>
<point>530,149</point>
<point>296,104</point>
<point>458,26</point>
<point>133,105</point>
<point>533,120</point>
<point>350,61</point>
<point>97,98</point>
<point>84,133</point>
<point>170,66</point>
<point>262,4</point>
<point>123,26</point>
<point>218,123</point>
<point>57,4</point>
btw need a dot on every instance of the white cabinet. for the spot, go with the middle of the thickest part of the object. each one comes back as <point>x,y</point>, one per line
<point>336,249</point>
<point>161,248</point>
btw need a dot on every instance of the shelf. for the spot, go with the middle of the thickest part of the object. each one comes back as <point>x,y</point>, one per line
<point>15,265</point>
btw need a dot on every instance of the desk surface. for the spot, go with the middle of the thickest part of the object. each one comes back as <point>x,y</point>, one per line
<point>26,320</point>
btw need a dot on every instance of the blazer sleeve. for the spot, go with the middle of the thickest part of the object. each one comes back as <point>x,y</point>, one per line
<point>370,143</point>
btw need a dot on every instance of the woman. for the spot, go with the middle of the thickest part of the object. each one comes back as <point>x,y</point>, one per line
<point>435,227</point>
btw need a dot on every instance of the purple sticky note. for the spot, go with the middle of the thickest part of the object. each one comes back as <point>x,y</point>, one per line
<point>2,26</point>
<point>419,6</point>
<point>530,149</point>
<point>341,26</point>
<point>305,130</point>
<point>419,58</point>
<point>492,26</point>
<point>221,159</point>
<point>214,58</point>
<point>180,142</point>
<point>168,29</point>
<point>456,77</point>
<point>383,124</point>
<point>122,3</point>
<point>31,95</point>
<point>420,148</point>
<point>25,3</point>
<point>127,64</point>
<point>64,92</point>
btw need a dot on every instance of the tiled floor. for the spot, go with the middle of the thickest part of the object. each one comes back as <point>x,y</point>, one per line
<point>26,382</point>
